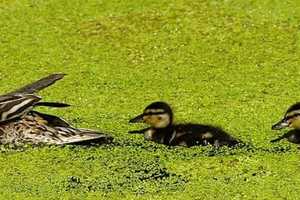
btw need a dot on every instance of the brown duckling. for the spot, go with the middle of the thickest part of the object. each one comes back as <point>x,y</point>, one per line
<point>291,119</point>
<point>159,116</point>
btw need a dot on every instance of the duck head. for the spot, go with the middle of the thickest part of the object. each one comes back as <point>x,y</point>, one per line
<point>291,118</point>
<point>157,115</point>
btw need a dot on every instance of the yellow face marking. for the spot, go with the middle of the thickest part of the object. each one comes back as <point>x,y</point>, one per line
<point>157,121</point>
<point>295,123</point>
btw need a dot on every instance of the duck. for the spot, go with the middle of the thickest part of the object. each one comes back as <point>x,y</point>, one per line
<point>291,119</point>
<point>159,116</point>
<point>20,124</point>
<point>19,102</point>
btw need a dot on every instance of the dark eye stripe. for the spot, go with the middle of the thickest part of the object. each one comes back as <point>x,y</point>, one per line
<point>292,116</point>
<point>154,113</point>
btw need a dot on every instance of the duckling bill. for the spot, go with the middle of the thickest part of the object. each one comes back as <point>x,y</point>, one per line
<point>159,116</point>
<point>20,124</point>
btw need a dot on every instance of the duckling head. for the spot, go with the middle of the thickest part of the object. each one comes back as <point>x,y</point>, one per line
<point>157,115</point>
<point>291,118</point>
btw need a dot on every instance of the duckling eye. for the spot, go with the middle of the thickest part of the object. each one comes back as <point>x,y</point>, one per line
<point>159,117</point>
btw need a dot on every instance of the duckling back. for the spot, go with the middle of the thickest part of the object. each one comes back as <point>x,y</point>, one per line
<point>198,134</point>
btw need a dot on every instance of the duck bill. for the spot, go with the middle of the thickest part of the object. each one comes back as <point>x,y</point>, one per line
<point>137,119</point>
<point>280,125</point>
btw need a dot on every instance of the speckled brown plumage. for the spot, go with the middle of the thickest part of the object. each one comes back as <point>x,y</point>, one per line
<point>39,128</point>
<point>20,125</point>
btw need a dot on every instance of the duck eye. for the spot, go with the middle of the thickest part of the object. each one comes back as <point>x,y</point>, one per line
<point>159,117</point>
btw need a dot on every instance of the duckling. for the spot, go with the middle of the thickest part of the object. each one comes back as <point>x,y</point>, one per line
<point>159,116</point>
<point>20,124</point>
<point>291,119</point>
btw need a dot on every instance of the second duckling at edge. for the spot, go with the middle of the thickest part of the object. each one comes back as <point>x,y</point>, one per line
<point>159,116</point>
<point>291,119</point>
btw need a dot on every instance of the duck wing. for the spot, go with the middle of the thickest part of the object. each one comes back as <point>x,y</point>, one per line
<point>39,128</point>
<point>19,102</point>
<point>64,133</point>
<point>14,106</point>
<point>52,104</point>
<point>81,136</point>
<point>38,85</point>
